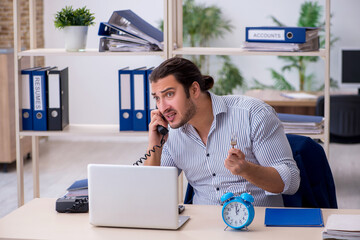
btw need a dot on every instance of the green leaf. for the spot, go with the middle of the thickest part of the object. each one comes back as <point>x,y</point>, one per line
<point>73,17</point>
<point>229,78</point>
<point>258,85</point>
<point>310,15</point>
<point>277,22</point>
<point>280,81</point>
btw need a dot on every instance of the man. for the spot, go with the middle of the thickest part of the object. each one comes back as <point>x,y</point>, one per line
<point>202,126</point>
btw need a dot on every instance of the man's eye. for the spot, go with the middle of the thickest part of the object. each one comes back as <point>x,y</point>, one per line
<point>169,94</point>
<point>156,98</point>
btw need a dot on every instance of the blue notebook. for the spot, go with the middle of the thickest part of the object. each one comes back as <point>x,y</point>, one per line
<point>79,184</point>
<point>293,217</point>
<point>288,117</point>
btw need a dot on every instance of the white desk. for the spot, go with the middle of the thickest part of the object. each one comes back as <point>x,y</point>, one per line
<point>39,220</point>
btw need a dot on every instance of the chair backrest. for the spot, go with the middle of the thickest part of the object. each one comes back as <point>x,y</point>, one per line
<point>344,117</point>
<point>317,187</point>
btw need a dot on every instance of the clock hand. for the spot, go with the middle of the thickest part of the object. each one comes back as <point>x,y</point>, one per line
<point>237,210</point>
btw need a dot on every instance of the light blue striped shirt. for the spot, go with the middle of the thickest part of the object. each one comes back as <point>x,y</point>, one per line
<point>260,136</point>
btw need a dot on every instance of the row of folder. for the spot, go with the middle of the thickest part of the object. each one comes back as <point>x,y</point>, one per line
<point>281,39</point>
<point>135,99</point>
<point>127,32</point>
<point>44,98</point>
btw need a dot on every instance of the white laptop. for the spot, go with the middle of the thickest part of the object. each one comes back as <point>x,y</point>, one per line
<point>134,196</point>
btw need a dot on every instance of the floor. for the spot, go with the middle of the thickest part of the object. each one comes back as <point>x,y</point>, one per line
<point>63,162</point>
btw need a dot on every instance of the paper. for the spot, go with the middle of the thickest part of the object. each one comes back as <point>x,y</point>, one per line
<point>299,95</point>
<point>343,222</point>
<point>311,45</point>
<point>342,226</point>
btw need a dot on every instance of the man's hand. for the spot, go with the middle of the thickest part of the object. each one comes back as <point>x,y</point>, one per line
<point>154,135</point>
<point>236,162</point>
<point>266,178</point>
<point>154,138</point>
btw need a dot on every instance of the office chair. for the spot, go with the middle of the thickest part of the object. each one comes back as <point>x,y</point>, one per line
<point>317,187</point>
<point>344,117</point>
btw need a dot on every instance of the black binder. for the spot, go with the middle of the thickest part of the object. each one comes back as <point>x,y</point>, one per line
<point>58,99</point>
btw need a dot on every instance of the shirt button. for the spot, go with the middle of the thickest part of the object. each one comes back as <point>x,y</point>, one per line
<point>214,174</point>
<point>208,155</point>
<point>217,189</point>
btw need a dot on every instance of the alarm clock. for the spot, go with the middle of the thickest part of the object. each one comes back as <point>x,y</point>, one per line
<point>238,211</point>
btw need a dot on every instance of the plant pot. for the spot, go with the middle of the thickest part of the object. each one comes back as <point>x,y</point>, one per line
<point>75,38</point>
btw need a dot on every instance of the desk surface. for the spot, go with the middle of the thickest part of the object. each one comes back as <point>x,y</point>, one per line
<point>274,98</point>
<point>39,220</point>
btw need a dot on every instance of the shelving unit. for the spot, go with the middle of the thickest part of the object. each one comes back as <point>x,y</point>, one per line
<point>175,39</point>
<point>71,130</point>
<point>172,36</point>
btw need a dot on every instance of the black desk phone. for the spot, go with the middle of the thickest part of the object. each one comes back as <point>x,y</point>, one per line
<point>72,205</point>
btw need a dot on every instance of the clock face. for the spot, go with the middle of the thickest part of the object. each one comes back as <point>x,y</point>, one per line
<point>235,214</point>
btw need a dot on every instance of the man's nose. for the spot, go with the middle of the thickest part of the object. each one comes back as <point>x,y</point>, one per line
<point>162,105</point>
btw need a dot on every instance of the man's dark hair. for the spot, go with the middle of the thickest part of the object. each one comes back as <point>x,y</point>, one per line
<point>184,71</point>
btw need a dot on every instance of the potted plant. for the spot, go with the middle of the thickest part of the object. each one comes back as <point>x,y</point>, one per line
<point>75,23</point>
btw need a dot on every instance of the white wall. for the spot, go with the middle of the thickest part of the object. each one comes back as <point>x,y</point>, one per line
<point>96,101</point>
<point>93,81</point>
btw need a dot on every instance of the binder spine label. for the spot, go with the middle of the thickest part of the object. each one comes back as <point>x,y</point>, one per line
<point>139,92</point>
<point>54,90</point>
<point>273,35</point>
<point>38,99</point>
<point>125,91</point>
<point>26,91</point>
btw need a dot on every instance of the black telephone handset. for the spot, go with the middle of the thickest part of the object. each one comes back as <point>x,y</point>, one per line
<point>163,131</point>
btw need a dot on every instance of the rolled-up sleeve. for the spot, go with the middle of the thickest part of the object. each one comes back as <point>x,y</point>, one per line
<point>272,148</point>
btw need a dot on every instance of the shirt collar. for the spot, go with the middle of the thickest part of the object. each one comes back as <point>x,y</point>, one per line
<point>218,107</point>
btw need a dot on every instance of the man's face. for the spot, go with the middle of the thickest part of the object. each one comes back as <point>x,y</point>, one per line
<point>172,101</point>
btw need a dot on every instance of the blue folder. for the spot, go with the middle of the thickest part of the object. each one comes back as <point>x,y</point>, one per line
<point>151,103</point>
<point>139,97</point>
<point>79,184</point>
<point>293,217</point>
<point>40,98</point>
<point>281,34</point>
<point>27,95</point>
<point>288,117</point>
<point>125,100</point>
<point>106,29</point>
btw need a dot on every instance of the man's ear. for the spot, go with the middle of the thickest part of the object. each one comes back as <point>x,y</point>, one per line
<point>195,89</point>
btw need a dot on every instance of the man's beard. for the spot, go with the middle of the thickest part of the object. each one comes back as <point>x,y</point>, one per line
<point>190,112</point>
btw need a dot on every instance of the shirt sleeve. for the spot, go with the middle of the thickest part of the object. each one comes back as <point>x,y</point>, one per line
<point>272,149</point>
<point>166,159</point>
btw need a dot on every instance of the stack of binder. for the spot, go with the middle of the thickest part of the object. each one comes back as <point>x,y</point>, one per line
<point>135,100</point>
<point>282,39</point>
<point>45,98</point>
<point>302,124</point>
<point>127,32</point>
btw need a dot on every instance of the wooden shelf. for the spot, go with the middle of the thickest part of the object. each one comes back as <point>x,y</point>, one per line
<point>240,51</point>
<point>313,136</point>
<point>86,130</point>
<point>87,52</point>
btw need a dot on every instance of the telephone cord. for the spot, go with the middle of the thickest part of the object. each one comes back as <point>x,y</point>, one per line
<point>142,159</point>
